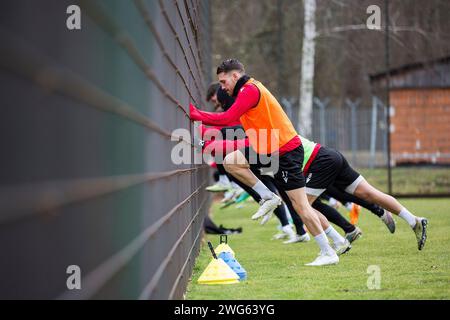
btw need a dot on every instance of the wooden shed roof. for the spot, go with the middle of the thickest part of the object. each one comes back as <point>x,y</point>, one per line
<point>434,74</point>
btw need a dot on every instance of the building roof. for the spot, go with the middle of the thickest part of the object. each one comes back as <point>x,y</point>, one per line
<point>434,73</point>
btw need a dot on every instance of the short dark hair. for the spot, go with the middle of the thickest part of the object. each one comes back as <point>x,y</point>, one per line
<point>212,90</point>
<point>230,65</point>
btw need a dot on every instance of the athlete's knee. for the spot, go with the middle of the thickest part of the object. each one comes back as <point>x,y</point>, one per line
<point>234,161</point>
<point>364,193</point>
<point>229,160</point>
<point>302,207</point>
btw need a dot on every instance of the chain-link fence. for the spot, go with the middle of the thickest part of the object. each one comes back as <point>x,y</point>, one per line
<point>366,53</point>
<point>420,149</point>
<point>86,177</point>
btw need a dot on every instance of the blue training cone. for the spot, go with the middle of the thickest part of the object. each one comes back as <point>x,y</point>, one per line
<point>234,265</point>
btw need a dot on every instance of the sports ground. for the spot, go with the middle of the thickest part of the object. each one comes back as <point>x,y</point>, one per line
<point>276,270</point>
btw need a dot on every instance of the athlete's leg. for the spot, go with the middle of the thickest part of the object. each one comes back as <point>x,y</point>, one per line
<point>280,211</point>
<point>236,164</point>
<point>246,188</point>
<point>383,214</point>
<point>344,197</point>
<point>358,186</point>
<point>321,174</point>
<point>295,217</point>
<point>302,207</point>
<point>242,171</point>
<point>333,216</point>
<point>369,193</point>
<point>301,235</point>
<point>339,243</point>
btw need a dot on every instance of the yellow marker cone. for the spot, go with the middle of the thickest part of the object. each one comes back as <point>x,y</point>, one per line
<point>223,246</point>
<point>218,272</point>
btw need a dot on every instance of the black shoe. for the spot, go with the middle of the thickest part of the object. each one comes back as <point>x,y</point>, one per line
<point>213,230</point>
<point>420,229</point>
<point>230,230</point>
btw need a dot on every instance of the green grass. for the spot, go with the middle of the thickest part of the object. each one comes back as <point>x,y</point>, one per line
<point>416,180</point>
<point>277,271</point>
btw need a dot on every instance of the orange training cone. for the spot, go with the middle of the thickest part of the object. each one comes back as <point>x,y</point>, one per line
<point>354,213</point>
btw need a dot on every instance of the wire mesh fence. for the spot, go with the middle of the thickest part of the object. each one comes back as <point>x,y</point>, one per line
<point>87,117</point>
<point>420,155</point>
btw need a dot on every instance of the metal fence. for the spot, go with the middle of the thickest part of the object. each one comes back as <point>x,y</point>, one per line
<point>358,129</point>
<point>355,128</point>
<point>419,148</point>
<point>85,133</point>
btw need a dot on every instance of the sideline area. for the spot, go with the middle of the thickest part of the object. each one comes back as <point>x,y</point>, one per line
<point>276,270</point>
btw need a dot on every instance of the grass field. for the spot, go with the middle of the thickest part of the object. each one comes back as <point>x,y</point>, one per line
<point>416,180</point>
<point>277,271</point>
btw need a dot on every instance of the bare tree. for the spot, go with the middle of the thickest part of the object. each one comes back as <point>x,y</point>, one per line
<point>345,51</point>
<point>307,73</point>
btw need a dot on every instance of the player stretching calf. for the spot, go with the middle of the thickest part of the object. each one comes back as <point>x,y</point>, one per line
<point>259,112</point>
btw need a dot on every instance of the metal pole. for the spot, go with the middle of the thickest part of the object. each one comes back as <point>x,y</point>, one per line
<point>354,133</point>
<point>322,124</point>
<point>388,103</point>
<point>281,73</point>
<point>287,106</point>
<point>373,132</point>
<point>354,129</point>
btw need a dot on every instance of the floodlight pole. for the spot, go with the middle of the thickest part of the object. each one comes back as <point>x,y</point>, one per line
<point>388,103</point>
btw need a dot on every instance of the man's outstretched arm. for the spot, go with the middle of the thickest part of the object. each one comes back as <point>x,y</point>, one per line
<point>246,99</point>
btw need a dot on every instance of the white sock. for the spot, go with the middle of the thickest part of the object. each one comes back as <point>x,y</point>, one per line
<point>288,213</point>
<point>262,190</point>
<point>323,243</point>
<point>332,202</point>
<point>289,230</point>
<point>408,217</point>
<point>349,206</point>
<point>223,179</point>
<point>334,235</point>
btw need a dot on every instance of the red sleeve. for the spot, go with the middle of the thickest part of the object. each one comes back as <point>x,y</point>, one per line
<point>247,98</point>
<point>205,131</point>
<point>223,147</point>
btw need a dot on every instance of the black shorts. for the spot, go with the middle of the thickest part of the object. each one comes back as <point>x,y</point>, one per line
<point>331,168</point>
<point>287,168</point>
